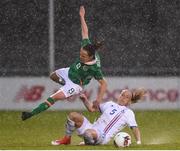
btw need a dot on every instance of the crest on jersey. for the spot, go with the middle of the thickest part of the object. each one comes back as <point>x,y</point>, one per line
<point>85,68</point>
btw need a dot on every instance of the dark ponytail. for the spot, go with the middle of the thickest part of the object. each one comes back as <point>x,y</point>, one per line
<point>92,48</point>
<point>98,44</point>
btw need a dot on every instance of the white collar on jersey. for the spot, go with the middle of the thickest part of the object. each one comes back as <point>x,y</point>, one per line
<point>91,62</point>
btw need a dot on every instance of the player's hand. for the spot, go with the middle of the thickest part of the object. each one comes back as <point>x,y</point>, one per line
<point>83,97</point>
<point>96,104</point>
<point>82,11</point>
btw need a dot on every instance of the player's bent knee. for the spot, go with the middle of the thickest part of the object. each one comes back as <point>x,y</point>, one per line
<point>73,115</point>
<point>53,76</point>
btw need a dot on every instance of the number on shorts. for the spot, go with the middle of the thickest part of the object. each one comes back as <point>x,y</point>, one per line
<point>71,90</point>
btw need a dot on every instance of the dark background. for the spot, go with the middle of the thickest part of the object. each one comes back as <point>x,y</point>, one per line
<point>142,37</point>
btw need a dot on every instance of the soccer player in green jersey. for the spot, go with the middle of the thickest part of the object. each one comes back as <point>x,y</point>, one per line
<point>79,74</point>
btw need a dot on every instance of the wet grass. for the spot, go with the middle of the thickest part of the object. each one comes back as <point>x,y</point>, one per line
<point>160,131</point>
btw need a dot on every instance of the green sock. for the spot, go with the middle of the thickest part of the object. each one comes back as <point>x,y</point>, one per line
<point>43,106</point>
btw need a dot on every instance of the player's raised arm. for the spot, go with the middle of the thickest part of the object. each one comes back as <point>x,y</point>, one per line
<point>88,104</point>
<point>84,28</point>
<point>137,134</point>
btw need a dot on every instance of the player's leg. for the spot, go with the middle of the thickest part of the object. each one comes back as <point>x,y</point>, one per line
<point>59,95</point>
<point>57,78</point>
<point>74,120</point>
<point>69,89</point>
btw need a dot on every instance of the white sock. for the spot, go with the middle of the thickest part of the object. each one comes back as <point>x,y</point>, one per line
<point>70,126</point>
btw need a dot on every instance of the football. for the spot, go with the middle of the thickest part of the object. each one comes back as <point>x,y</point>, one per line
<point>122,139</point>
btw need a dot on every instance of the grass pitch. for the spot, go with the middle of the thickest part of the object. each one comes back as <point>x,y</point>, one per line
<point>159,130</point>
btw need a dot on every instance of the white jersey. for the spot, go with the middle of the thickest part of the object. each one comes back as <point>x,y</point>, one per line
<point>113,119</point>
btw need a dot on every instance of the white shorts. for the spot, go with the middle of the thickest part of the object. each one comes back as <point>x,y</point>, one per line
<point>69,88</point>
<point>87,125</point>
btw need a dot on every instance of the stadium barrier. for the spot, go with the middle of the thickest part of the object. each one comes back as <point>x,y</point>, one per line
<point>27,92</point>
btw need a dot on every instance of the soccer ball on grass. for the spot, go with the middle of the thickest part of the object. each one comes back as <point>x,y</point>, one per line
<point>122,139</point>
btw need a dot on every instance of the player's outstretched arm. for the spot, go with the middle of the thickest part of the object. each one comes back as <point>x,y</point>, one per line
<point>88,104</point>
<point>84,28</point>
<point>137,134</point>
<point>101,92</point>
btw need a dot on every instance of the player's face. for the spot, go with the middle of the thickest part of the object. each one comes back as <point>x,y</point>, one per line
<point>125,97</point>
<point>84,57</point>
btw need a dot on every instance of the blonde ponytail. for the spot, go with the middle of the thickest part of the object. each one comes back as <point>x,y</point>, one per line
<point>138,94</point>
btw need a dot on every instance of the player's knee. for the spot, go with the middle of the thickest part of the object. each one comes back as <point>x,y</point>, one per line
<point>73,116</point>
<point>53,76</point>
<point>77,118</point>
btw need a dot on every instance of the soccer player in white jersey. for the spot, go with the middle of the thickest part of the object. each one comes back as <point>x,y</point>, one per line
<point>114,117</point>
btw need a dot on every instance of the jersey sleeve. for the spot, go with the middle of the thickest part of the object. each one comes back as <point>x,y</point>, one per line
<point>104,106</point>
<point>131,121</point>
<point>98,61</point>
<point>85,42</point>
<point>98,74</point>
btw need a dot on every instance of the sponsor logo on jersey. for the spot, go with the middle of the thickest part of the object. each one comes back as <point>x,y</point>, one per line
<point>89,77</point>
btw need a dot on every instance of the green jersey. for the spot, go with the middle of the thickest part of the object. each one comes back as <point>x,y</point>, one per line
<point>81,73</point>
